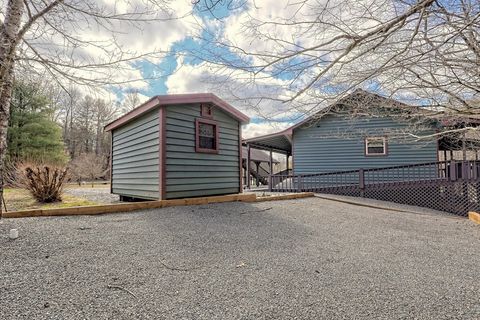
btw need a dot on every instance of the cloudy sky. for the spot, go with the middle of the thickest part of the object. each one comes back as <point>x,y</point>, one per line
<point>182,72</point>
<point>271,59</point>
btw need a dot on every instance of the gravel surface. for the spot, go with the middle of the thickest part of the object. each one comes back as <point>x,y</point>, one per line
<point>96,194</point>
<point>297,259</point>
<point>384,204</point>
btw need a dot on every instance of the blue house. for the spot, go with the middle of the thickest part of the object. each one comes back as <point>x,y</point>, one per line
<point>370,146</point>
<point>363,130</point>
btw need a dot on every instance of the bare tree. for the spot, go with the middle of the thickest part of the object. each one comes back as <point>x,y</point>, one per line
<point>130,101</point>
<point>104,113</point>
<point>87,166</point>
<point>73,41</point>
<point>424,52</point>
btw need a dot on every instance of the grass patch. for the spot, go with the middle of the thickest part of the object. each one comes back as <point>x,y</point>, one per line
<point>21,199</point>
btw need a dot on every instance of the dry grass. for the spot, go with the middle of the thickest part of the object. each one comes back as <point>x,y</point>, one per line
<point>21,199</point>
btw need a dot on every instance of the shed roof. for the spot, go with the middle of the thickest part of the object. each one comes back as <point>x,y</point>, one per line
<point>174,99</point>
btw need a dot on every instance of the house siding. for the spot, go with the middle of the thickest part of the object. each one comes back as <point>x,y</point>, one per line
<point>337,144</point>
<point>190,174</point>
<point>135,158</point>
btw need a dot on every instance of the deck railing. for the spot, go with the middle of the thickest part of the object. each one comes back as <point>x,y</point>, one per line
<point>363,182</point>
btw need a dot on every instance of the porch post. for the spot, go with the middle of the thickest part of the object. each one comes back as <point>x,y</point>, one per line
<point>257,180</point>
<point>244,172</point>
<point>464,147</point>
<point>271,171</point>
<point>271,162</point>
<point>248,167</point>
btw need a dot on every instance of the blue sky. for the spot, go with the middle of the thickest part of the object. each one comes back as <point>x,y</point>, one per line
<point>181,72</point>
<point>169,64</point>
<point>159,74</point>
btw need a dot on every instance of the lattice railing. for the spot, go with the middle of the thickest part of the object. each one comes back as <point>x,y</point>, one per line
<point>447,186</point>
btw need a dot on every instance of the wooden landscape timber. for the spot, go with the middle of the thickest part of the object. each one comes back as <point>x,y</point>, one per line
<point>127,207</point>
<point>474,216</point>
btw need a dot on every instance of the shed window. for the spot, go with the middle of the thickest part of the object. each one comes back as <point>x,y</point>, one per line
<point>376,146</point>
<point>207,136</point>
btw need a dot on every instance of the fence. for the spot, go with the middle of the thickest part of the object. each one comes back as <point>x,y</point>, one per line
<point>451,186</point>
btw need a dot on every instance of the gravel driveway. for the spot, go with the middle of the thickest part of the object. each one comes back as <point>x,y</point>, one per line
<point>297,259</point>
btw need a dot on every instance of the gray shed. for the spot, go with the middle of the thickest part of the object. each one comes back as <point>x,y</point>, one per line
<point>177,146</point>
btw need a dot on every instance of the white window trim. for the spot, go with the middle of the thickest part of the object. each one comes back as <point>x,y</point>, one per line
<point>385,152</point>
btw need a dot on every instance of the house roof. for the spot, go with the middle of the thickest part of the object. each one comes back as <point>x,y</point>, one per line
<point>283,140</point>
<point>257,155</point>
<point>174,99</point>
<point>278,142</point>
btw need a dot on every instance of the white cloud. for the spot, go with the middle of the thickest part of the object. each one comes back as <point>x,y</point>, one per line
<point>87,49</point>
<point>261,96</point>
<point>259,129</point>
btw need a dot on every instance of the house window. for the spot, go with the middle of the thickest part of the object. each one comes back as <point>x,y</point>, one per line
<point>375,146</point>
<point>206,110</point>
<point>206,136</point>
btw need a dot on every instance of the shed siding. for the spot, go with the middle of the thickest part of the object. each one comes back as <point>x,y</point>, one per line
<point>337,144</point>
<point>190,174</point>
<point>135,159</point>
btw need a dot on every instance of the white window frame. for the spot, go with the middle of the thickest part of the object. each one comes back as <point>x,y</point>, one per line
<point>385,151</point>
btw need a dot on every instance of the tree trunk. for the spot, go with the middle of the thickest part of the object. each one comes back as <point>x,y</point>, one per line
<point>8,46</point>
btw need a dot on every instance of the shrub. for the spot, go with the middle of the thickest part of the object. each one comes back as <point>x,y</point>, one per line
<point>44,182</point>
<point>87,166</point>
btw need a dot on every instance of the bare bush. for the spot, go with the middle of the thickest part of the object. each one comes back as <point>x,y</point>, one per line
<point>88,166</point>
<point>45,183</point>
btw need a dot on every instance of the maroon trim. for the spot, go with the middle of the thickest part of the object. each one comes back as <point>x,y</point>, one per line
<point>197,136</point>
<point>178,99</point>
<point>162,152</point>
<point>240,155</point>
<point>206,110</point>
<point>138,111</point>
<point>111,162</point>
<point>375,155</point>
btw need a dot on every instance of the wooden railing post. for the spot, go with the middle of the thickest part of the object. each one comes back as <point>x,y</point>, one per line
<point>453,171</point>
<point>361,182</point>
<point>466,170</point>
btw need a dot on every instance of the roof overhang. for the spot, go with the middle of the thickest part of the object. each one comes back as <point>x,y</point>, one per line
<point>279,142</point>
<point>174,99</point>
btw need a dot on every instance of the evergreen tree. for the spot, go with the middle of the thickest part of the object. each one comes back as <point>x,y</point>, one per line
<point>32,136</point>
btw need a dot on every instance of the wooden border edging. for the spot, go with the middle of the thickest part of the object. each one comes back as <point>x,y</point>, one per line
<point>286,196</point>
<point>474,216</point>
<point>127,207</point>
